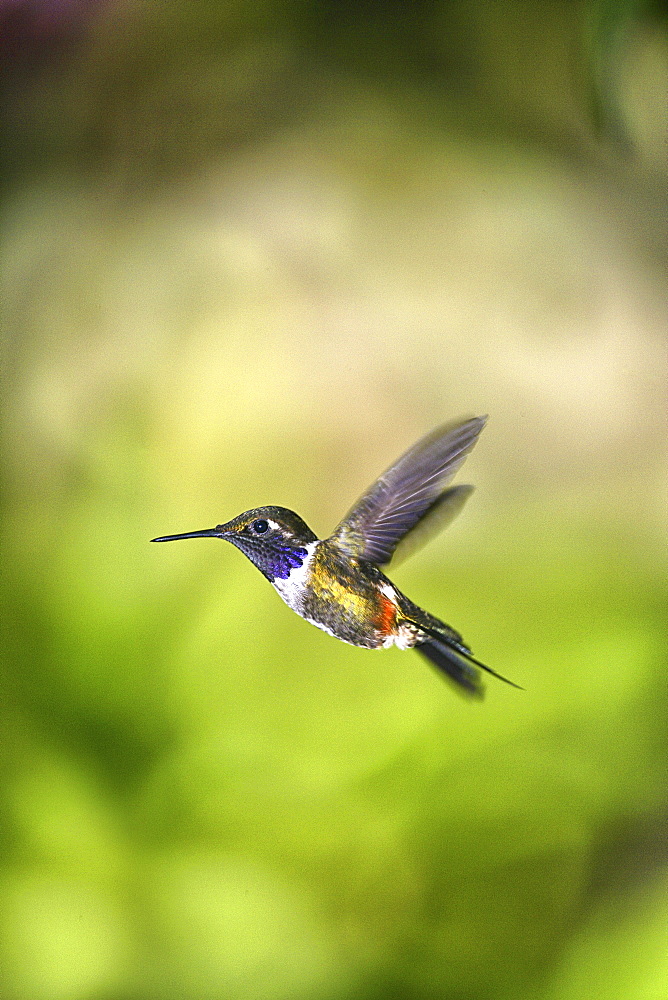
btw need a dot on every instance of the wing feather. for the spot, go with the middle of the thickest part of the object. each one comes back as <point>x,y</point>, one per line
<point>411,488</point>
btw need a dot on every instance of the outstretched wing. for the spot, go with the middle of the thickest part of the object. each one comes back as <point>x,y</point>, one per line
<point>410,489</point>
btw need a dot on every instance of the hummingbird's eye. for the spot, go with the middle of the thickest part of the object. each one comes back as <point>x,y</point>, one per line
<point>260,526</point>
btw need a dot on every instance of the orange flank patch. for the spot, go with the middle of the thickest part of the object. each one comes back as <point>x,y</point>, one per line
<point>386,619</point>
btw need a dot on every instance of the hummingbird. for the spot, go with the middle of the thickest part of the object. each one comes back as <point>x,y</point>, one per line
<point>337,583</point>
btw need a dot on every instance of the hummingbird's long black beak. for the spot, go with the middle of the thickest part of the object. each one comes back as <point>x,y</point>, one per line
<point>207,533</point>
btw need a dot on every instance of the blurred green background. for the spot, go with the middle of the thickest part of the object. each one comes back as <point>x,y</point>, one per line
<point>251,252</point>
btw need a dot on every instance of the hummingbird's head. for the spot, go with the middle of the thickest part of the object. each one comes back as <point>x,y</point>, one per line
<point>273,538</point>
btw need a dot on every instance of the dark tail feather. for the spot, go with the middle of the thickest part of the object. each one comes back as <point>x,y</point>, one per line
<point>456,661</point>
<point>451,663</point>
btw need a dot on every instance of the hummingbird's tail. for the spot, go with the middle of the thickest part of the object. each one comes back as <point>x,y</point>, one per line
<point>455,660</point>
<point>454,666</point>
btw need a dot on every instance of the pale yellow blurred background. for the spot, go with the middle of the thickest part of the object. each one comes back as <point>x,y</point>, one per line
<point>250,254</point>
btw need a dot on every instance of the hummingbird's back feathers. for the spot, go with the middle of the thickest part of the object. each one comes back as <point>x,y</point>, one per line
<point>413,487</point>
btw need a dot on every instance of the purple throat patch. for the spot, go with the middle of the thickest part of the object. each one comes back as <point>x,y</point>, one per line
<point>284,560</point>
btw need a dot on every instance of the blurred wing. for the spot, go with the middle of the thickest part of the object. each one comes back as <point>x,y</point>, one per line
<point>410,489</point>
<point>441,513</point>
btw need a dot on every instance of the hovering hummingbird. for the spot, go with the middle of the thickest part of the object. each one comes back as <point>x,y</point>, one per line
<point>336,583</point>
